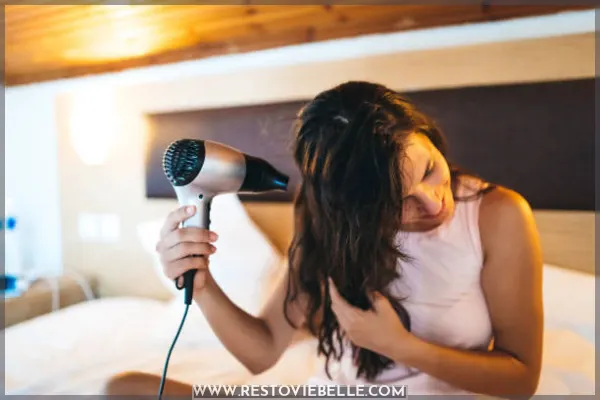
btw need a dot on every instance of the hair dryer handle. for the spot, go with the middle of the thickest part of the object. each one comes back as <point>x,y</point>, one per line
<point>201,219</point>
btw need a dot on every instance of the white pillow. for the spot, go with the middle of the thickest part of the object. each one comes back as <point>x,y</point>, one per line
<point>245,266</point>
<point>246,260</point>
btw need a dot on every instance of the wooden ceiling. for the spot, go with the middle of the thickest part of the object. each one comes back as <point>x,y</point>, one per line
<point>46,42</point>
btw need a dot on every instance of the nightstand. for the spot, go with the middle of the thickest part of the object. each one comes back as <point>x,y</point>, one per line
<point>44,296</point>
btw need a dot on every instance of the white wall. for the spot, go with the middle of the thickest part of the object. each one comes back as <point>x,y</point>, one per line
<point>32,176</point>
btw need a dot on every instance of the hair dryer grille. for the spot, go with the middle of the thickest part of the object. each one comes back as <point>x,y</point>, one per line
<point>183,161</point>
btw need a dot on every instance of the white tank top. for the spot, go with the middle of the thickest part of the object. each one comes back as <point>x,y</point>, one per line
<point>443,295</point>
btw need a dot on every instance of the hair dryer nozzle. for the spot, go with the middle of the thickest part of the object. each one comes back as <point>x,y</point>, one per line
<point>183,161</point>
<point>262,176</point>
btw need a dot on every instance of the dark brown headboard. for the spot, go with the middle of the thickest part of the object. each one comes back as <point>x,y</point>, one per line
<point>536,138</point>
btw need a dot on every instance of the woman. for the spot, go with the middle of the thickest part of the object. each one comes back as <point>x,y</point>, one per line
<point>406,270</point>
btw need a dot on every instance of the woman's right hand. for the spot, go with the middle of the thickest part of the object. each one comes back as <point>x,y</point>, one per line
<point>182,249</point>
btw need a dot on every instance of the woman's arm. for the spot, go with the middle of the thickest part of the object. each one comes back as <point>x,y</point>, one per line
<point>257,342</point>
<point>512,284</point>
<point>511,280</point>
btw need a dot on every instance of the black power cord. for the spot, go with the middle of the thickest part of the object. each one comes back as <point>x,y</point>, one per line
<point>162,381</point>
<point>188,287</point>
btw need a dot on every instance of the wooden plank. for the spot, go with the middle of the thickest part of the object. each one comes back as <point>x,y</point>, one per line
<point>186,33</point>
<point>78,18</point>
<point>97,16</point>
<point>18,15</point>
<point>163,37</point>
<point>159,37</point>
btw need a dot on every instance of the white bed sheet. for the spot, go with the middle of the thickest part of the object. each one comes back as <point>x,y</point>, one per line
<point>75,350</point>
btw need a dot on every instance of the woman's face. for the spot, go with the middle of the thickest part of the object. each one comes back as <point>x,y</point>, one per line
<point>427,197</point>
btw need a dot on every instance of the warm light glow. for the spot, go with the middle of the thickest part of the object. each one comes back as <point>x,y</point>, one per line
<point>122,33</point>
<point>92,125</point>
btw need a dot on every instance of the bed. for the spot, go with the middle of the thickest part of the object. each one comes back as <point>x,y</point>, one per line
<point>77,349</point>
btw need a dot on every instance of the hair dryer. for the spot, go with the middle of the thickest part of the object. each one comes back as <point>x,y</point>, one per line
<point>199,170</point>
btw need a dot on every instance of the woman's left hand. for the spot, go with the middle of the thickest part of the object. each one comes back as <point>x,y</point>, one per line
<point>379,330</point>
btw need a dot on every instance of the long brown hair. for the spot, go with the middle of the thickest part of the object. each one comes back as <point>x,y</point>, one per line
<point>349,145</point>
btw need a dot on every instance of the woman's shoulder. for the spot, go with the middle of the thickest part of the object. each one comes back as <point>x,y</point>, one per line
<point>494,198</point>
<point>502,202</point>
<point>504,214</point>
